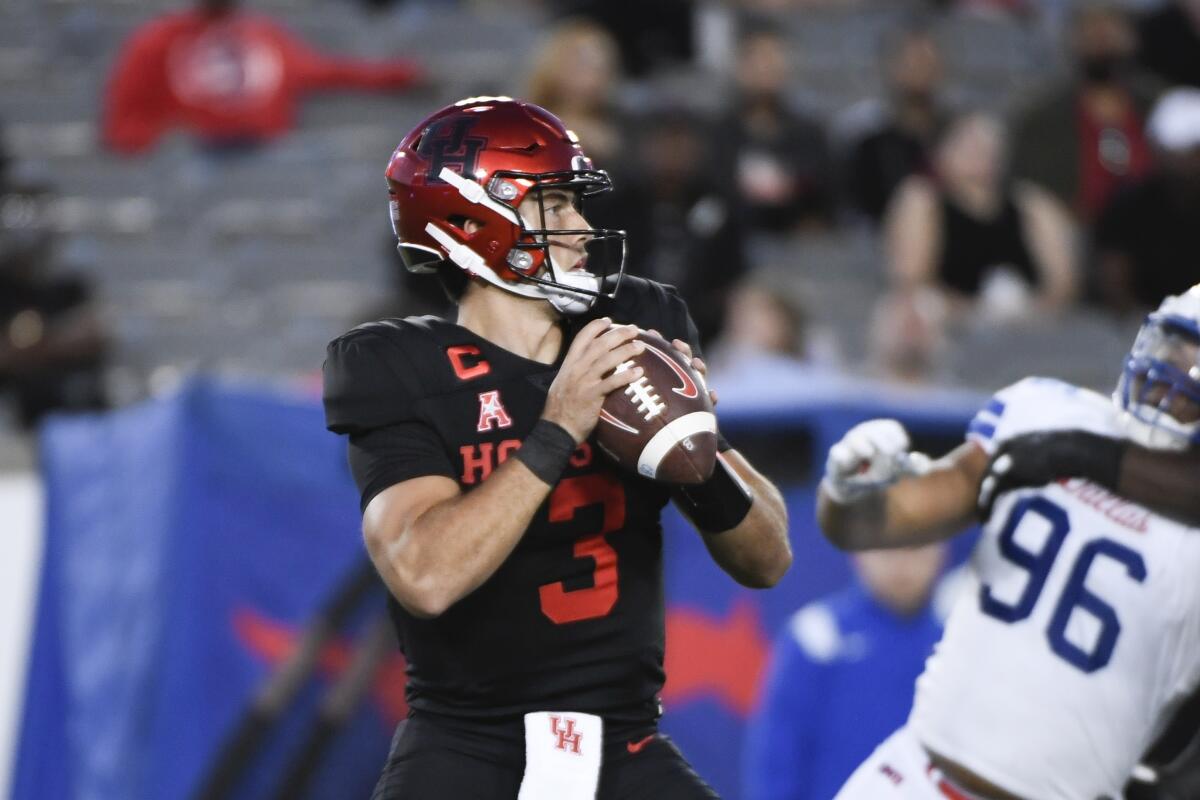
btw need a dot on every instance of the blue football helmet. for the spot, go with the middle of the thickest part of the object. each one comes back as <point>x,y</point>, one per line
<point>1159,390</point>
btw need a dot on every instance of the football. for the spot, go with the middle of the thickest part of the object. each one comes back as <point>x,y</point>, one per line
<point>662,425</point>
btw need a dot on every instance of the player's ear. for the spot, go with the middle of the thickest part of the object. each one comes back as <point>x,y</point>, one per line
<point>470,225</point>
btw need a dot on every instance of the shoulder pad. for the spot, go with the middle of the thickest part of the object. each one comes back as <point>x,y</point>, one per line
<point>371,376</point>
<point>1041,404</point>
<point>649,304</point>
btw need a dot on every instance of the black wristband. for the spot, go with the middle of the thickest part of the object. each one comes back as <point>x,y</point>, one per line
<point>720,503</point>
<point>546,450</point>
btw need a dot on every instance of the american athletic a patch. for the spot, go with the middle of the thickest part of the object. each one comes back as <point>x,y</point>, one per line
<point>492,414</point>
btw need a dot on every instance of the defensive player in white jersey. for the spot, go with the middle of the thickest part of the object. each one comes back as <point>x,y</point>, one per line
<point>1082,634</point>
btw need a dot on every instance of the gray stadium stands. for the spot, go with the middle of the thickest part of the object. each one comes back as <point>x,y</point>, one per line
<point>252,263</point>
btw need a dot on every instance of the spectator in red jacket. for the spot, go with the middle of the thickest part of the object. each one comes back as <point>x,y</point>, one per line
<point>226,75</point>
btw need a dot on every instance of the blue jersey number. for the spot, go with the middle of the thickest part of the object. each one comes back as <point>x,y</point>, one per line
<point>1075,593</point>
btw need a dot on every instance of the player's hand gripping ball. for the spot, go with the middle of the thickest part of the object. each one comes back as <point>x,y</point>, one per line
<point>662,425</point>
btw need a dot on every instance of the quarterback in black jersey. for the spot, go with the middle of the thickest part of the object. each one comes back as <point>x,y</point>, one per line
<point>525,569</point>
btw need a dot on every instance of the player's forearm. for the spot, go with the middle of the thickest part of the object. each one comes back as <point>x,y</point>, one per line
<point>857,525</point>
<point>756,553</point>
<point>1168,483</point>
<point>453,547</point>
<point>912,511</point>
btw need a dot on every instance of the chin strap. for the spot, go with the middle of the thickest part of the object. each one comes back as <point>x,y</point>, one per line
<point>572,303</point>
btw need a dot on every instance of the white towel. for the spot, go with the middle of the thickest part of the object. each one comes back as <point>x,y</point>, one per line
<point>562,756</point>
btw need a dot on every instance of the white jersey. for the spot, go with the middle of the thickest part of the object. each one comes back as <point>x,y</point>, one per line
<point>1061,665</point>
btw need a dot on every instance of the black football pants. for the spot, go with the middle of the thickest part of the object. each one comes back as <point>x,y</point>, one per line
<point>438,758</point>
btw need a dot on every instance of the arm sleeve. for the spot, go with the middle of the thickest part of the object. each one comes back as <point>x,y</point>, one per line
<point>138,104</point>
<point>386,456</point>
<point>369,383</point>
<point>780,736</point>
<point>312,70</point>
<point>371,393</point>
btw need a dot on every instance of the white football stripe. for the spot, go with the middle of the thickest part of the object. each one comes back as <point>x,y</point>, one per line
<point>672,434</point>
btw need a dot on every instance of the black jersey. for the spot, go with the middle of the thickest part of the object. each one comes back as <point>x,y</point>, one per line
<point>573,619</point>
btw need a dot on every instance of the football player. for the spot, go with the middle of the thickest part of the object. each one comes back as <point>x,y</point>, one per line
<point>525,569</point>
<point>1081,635</point>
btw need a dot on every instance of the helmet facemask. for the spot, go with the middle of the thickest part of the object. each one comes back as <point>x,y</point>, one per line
<point>530,269</point>
<point>572,287</point>
<point>1159,388</point>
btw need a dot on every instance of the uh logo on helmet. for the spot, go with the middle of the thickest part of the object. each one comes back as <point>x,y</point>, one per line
<point>478,159</point>
<point>1159,389</point>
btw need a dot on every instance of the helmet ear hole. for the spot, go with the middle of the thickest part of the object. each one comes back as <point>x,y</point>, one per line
<point>465,224</point>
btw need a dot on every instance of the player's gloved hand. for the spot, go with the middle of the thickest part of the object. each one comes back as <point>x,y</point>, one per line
<point>868,458</point>
<point>1036,459</point>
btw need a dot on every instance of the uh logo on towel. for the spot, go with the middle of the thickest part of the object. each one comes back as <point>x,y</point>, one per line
<point>564,729</point>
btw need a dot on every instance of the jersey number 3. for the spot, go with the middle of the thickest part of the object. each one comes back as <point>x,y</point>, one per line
<point>1075,594</point>
<point>564,605</point>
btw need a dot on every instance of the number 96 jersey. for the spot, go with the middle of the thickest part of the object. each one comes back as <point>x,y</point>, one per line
<point>1064,659</point>
<point>573,619</point>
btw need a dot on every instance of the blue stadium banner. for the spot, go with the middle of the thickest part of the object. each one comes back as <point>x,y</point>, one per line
<point>192,540</point>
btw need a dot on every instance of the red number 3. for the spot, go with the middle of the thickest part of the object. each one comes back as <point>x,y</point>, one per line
<point>558,603</point>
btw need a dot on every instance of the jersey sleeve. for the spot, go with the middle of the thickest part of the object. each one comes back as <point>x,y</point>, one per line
<point>368,383</point>
<point>649,304</point>
<point>677,321</point>
<point>1041,404</point>
<point>386,456</point>
<point>982,428</point>
<point>371,393</point>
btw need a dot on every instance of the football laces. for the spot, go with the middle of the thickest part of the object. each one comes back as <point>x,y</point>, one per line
<point>643,395</point>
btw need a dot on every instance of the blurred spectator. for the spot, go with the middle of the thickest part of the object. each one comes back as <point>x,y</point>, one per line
<point>575,75</point>
<point>996,248</point>
<point>762,322</point>
<point>1169,42</point>
<point>683,229</point>
<point>52,346</point>
<point>781,162</point>
<point>230,77</point>
<point>1147,241</point>
<point>841,677</point>
<point>770,352</point>
<point>907,342</point>
<point>1083,139</point>
<point>651,36</point>
<point>892,137</point>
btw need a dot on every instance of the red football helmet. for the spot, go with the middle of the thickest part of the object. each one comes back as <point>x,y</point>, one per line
<point>478,159</point>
